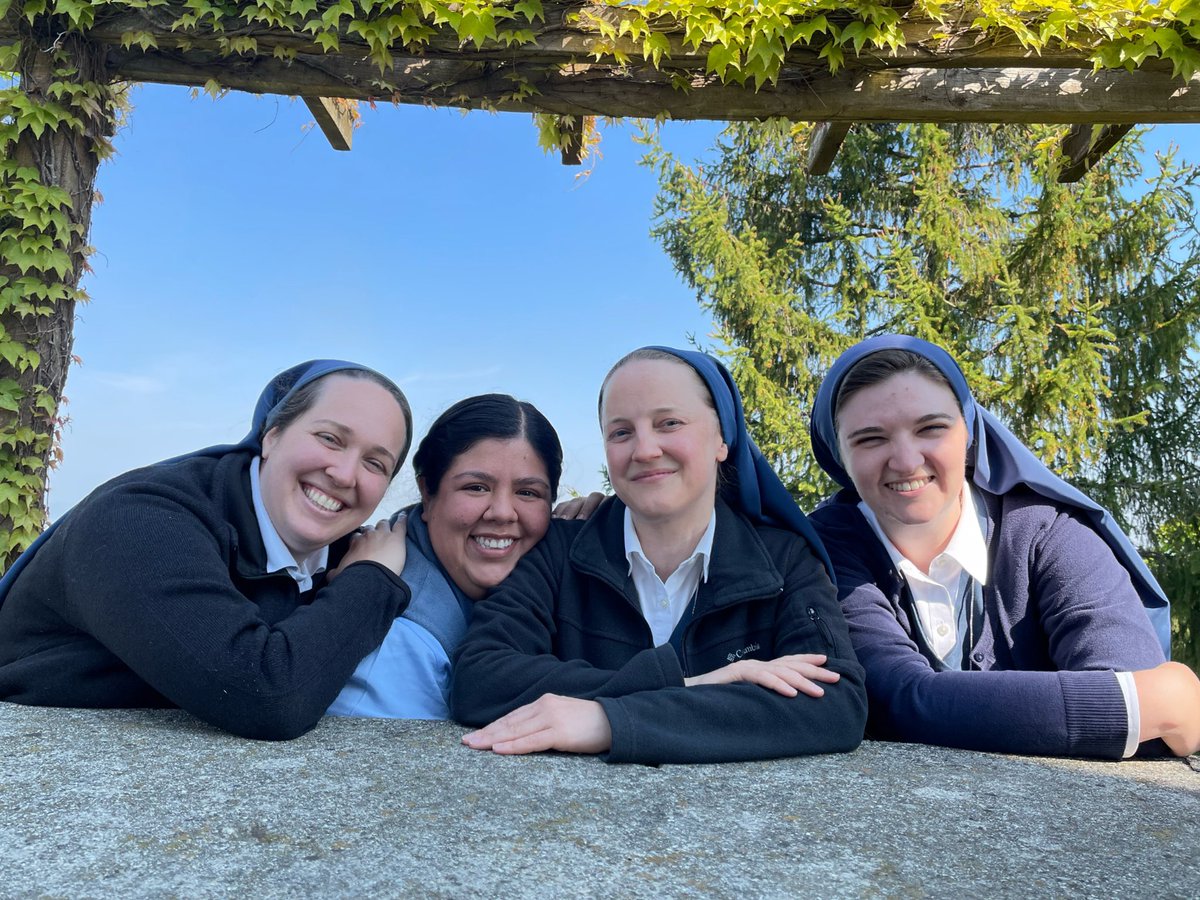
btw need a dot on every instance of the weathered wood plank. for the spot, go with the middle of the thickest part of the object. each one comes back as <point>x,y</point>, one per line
<point>334,119</point>
<point>571,129</point>
<point>901,95</point>
<point>826,141</point>
<point>1083,147</point>
<point>561,39</point>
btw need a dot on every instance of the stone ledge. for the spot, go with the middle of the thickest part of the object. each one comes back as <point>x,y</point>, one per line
<point>152,803</point>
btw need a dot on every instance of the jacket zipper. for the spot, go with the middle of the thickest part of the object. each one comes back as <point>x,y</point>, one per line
<point>821,627</point>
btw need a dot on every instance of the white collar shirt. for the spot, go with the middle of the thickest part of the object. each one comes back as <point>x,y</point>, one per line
<point>938,596</point>
<point>663,604</point>
<point>279,557</point>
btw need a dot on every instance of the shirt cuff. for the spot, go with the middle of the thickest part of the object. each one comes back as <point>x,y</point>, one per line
<point>1133,713</point>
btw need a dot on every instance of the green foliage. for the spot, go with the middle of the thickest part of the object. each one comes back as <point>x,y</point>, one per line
<point>1177,566</point>
<point>746,41</point>
<point>39,246</point>
<point>1074,309</point>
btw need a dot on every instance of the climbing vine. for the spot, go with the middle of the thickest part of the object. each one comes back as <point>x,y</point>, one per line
<point>45,101</point>
<point>745,40</point>
<point>44,221</point>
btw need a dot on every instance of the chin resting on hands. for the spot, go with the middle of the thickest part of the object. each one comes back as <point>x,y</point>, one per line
<point>549,723</point>
<point>786,675</point>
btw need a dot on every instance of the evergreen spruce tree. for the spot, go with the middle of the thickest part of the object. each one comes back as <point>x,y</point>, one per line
<point>1073,309</point>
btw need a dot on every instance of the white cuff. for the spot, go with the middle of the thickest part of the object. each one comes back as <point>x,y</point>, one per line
<point>1133,713</point>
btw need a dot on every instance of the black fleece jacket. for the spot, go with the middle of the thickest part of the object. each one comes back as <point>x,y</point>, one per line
<point>567,621</point>
<point>152,593</point>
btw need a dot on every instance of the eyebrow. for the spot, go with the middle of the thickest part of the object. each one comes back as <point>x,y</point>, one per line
<point>347,430</point>
<point>877,429</point>
<point>654,412</point>
<point>491,479</point>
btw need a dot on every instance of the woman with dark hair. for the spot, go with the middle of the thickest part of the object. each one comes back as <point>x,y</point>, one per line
<point>488,473</point>
<point>682,622</point>
<point>230,582</point>
<point>993,606</point>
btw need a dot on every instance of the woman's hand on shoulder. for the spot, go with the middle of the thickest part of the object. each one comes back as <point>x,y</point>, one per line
<point>579,507</point>
<point>549,723</point>
<point>787,675</point>
<point>382,543</point>
<point>1169,706</point>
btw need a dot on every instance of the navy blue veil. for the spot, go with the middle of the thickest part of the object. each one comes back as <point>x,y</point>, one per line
<point>757,492</point>
<point>281,389</point>
<point>1000,461</point>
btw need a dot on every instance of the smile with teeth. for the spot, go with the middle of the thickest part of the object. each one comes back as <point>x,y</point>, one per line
<point>493,543</point>
<point>911,485</point>
<point>320,499</point>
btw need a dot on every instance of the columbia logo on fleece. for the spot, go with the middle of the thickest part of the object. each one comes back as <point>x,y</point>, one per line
<point>745,651</point>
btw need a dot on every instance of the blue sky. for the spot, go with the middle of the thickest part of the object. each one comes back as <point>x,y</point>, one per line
<point>445,250</point>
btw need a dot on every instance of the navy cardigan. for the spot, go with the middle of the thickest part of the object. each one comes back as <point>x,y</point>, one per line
<point>1060,615</point>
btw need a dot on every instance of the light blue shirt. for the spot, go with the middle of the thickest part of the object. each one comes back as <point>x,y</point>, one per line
<point>279,557</point>
<point>406,677</point>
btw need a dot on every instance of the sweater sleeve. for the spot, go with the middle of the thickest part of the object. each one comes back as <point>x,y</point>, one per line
<point>1090,610</point>
<point>507,658</point>
<point>1093,617</point>
<point>1074,713</point>
<point>732,722</point>
<point>174,616</point>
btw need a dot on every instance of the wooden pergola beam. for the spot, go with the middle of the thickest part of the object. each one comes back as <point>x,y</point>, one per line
<point>826,141</point>
<point>1084,146</point>
<point>1072,96</point>
<point>334,118</point>
<point>561,39</point>
<point>964,76</point>
<point>571,128</point>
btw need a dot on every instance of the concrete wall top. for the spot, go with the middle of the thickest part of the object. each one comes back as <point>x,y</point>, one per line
<point>152,803</point>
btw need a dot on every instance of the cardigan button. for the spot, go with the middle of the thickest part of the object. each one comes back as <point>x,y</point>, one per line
<point>978,657</point>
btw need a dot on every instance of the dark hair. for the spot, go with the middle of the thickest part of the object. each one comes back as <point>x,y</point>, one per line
<point>882,365</point>
<point>656,354</point>
<point>302,401</point>
<point>476,419</point>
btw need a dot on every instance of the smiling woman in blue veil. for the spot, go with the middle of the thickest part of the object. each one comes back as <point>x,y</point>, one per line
<point>993,605</point>
<point>690,619</point>
<point>233,582</point>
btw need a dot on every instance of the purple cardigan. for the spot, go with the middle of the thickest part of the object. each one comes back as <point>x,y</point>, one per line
<point>1060,615</point>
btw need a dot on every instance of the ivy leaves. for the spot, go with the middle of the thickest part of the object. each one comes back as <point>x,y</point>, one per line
<point>41,253</point>
<point>741,41</point>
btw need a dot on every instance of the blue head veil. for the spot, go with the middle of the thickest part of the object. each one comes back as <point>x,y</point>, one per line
<point>281,389</point>
<point>758,493</point>
<point>1001,462</point>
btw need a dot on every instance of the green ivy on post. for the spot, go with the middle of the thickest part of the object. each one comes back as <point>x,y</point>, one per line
<point>56,117</point>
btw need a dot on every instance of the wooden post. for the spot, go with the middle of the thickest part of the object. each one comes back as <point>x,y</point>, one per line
<point>571,129</point>
<point>64,159</point>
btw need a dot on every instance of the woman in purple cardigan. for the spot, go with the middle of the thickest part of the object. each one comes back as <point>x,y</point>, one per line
<point>993,606</point>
